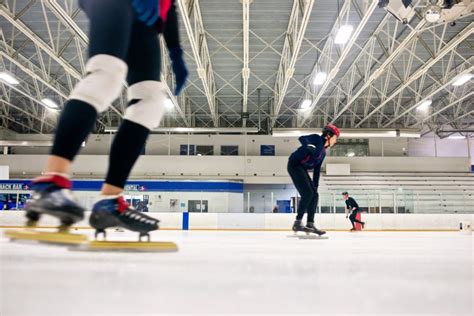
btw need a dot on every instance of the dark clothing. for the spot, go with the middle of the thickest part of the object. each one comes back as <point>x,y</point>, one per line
<point>310,155</point>
<point>354,219</point>
<point>115,30</point>
<point>308,192</point>
<point>351,203</point>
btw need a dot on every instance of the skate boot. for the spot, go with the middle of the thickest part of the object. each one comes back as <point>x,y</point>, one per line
<point>297,226</point>
<point>52,195</point>
<point>116,212</point>
<point>311,229</point>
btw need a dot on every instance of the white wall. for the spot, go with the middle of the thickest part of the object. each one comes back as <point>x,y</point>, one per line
<point>165,144</point>
<point>433,146</point>
<point>276,221</point>
<point>218,202</point>
<point>249,169</point>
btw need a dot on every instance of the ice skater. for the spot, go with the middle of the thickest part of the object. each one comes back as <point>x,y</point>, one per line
<point>310,155</point>
<point>123,45</point>
<point>353,207</point>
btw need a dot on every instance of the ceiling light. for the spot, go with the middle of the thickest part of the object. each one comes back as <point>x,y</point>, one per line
<point>424,105</point>
<point>320,78</point>
<point>305,104</point>
<point>50,104</point>
<point>343,34</point>
<point>351,154</point>
<point>169,104</point>
<point>462,79</point>
<point>456,137</point>
<point>8,78</point>
<point>433,13</point>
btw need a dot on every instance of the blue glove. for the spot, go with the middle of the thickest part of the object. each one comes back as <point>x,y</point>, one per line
<point>148,11</point>
<point>179,68</point>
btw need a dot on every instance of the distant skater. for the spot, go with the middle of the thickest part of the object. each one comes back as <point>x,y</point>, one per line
<point>353,207</point>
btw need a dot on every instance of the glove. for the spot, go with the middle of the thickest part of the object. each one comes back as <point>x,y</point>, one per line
<point>179,68</point>
<point>148,11</point>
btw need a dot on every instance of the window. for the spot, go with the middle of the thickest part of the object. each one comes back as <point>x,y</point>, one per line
<point>267,150</point>
<point>185,150</point>
<point>351,148</point>
<point>229,150</point>
<point>204,150</point>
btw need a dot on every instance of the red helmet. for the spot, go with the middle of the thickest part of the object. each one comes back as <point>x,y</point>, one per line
<point>331,128</point>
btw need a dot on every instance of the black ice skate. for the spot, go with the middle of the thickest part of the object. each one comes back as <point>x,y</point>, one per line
<point>311,229</point>
<point>298,227</point>
<point>52,195</point>
<point>116,212</point>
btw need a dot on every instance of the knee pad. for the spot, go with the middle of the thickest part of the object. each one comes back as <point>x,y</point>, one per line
<point>103,82</point>
<point>150,108</point>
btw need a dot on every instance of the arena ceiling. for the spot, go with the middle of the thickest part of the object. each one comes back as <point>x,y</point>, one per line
<point>252,63</point>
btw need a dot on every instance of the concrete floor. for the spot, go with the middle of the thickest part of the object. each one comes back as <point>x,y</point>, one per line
<point>369,273</point>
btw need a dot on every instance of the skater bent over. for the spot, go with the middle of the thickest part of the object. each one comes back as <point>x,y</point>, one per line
<point>123,45</point>
<point>352,206</point>
<point>310,155</point>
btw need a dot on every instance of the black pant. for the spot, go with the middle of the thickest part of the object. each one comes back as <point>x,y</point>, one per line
<point>353,218</point>
<point>115,30</point>
<point>305,187</point>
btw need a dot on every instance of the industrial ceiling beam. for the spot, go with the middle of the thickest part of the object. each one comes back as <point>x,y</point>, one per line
<point>190,10</point>
<point>325,63</point>
<point>299,19</point>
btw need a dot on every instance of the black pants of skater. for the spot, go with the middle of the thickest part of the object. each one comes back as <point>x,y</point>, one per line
<point>306,189</point>
<point>113,30</point>
<point>354,219</point>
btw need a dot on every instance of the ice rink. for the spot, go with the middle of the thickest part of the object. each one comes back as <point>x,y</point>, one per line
<point>369,273</point>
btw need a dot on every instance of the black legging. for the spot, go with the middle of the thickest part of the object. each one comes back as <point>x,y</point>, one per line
<point>353,218</point>
<point>305,187</point>
<point>115,31</point>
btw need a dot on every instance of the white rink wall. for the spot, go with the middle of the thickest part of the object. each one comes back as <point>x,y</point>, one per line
<point>216,221</point>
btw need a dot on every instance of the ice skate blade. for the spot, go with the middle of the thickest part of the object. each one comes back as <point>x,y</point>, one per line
<point>128,246</point>
<point>58,238</point>
<point>312,236</point>
<point>305,236</point>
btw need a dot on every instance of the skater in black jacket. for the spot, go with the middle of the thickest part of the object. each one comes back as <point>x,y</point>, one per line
<point>123,46</point>
<point>353,207</point>
<point>310,155</point>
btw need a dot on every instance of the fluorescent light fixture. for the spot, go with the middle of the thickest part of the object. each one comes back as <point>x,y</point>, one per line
<point>350,132</point>
<point>197,130</point>
<point>424,105</point>
<point>343,34</point>
<point>169,104</point>
<point>50,104</point>
<point>456,137</point>
<point>305,104</point>
<point>320,78</point>
<point>462,79</point>
<point>8,78</point>
<point>351,154</point>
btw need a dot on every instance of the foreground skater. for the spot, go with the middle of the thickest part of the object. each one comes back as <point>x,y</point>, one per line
<point>310,155</point>
<point>124,45</point>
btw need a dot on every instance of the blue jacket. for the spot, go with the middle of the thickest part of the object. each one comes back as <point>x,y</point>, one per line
<point>311,154</point>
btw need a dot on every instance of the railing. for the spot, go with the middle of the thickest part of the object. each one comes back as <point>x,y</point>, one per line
<point>372,201</point>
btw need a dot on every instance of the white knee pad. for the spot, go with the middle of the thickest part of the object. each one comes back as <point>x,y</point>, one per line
<point>102,83</point>
<point>150,109</point>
